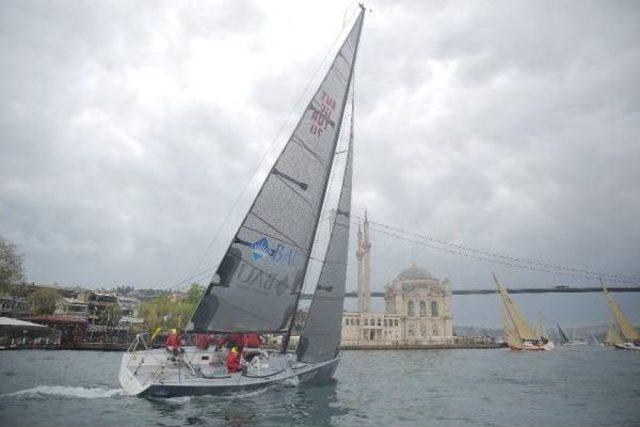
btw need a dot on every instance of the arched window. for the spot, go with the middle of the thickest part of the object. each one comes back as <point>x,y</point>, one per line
<point>423,309</point>
<point>366,322</point>
<point>410,309</point>
<point>395,322</point>
<point>434,308</point>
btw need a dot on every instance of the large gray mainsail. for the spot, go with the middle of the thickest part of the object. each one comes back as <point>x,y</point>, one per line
<point>320,338</point>
<point>257,283</point>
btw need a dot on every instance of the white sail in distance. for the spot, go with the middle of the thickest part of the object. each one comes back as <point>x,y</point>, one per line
<point>522,328</point>
<point>628,331</point>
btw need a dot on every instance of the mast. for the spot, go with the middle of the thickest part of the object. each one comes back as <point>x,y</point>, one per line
<point>359,23</point>
<point>320,339</point>
<point>257,284</point>
<point>540,329</point>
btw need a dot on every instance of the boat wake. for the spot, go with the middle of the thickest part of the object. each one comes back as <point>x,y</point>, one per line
<point>62,391</point>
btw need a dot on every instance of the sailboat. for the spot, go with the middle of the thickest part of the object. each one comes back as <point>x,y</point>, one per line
<point>613,337</point>
<point>541,330</point>
<point>564,340</point>
<point>518,333</point>
<point>630,339</point>
<point>258,282</point>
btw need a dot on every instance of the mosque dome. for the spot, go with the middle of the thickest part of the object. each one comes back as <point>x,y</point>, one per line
<point>415,273</point>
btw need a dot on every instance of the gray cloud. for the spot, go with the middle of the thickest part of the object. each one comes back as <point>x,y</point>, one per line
<point>128,130</point>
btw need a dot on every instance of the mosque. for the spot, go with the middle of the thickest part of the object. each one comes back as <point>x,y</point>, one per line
<point>417,311</point>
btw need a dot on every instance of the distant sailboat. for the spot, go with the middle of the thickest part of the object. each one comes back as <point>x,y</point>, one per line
<point>613,337</point>
<point>518,333</point>
<point>258,282</point>
<point>629,338</point>
<point>564,340</point>
<point>541,331</point>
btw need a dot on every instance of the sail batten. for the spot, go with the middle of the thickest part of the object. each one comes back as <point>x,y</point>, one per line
<point>257,284</point>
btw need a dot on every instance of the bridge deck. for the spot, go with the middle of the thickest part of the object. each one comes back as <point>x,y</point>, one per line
<point>561,290</point>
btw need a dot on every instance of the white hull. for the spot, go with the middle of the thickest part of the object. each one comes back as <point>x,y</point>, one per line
<point>529,346</point>
<point>627,346</point>
<point>156,373</point>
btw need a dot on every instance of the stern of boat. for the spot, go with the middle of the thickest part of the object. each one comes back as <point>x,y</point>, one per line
<point>128,381</point>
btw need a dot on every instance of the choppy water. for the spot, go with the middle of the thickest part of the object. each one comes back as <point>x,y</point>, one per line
<point>569,386</point>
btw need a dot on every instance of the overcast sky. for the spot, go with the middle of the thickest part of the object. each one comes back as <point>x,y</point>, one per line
<point>129,129</point>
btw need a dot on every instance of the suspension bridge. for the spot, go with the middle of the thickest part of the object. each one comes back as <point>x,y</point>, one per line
<point>552,290</point>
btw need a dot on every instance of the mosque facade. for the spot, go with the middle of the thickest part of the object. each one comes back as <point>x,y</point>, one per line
<point>417,306</point>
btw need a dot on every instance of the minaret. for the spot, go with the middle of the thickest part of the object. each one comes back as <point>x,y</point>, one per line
<point>364,267</point>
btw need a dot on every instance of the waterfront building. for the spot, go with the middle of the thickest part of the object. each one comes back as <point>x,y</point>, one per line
<point>417,306</point>
<point>72,307</point>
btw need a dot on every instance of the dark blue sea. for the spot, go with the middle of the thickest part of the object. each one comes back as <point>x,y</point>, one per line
<point>571,386</point>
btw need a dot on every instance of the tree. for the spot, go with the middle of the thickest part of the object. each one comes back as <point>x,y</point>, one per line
<point>43,301</point>
<point>194,294</point>
<point>161,312</point>
<point>11,268</point>
<point>109,315</point>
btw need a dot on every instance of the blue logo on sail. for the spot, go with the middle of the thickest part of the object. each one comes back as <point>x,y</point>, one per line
<point>260,249</point>
<point>279,254</point>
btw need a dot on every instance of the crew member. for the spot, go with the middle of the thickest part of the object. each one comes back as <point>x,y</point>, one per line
<point>173,343</point>
<point>237,340</point>
<point>203,341</point>
<point>234,360</point>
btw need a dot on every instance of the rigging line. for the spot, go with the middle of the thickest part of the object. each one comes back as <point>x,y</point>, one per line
<point>506,257</point>
<point>490,260</point>
<point>294,108</point>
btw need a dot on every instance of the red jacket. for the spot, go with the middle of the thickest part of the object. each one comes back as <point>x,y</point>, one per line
<point>234,361</point>
<point>203,341</point>
<point>253,340</point>
<point>237,340</point>
<point>172,341</point>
